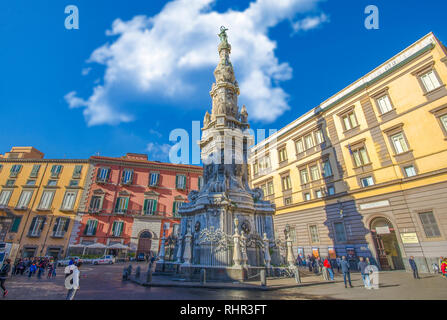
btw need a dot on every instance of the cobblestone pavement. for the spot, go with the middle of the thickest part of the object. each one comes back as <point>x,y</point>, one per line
<point>104,283</point>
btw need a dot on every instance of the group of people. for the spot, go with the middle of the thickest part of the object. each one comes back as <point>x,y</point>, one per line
<point>38,266</point>
<point>440,267</point>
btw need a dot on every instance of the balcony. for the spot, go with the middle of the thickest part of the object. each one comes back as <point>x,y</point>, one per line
<point>13,174</point>
<point>58,234</point>
<point>35,234</point>
<point>129,212</point>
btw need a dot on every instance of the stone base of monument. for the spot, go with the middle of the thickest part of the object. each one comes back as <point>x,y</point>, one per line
<point>166,267</point>
<point>221,274</point>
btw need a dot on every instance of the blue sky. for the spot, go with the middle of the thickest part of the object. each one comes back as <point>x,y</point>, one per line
<point>117,86</point>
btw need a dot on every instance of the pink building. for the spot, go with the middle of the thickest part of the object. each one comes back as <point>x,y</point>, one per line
<point>130,199</point>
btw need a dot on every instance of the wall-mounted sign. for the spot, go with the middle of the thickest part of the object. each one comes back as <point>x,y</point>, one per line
<point>332,253</point>
<point>383,230</point>
<point>409,238</point>
<point>316,252</point>
<point>377,204</point>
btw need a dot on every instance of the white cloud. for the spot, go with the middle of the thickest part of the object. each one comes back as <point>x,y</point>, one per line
<point>86,71</point>
<point>310,23</point>
<point>156,57</point>
<point>157,151</point>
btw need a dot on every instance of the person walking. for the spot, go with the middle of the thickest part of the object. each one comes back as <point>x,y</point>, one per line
<point>4,275</point>
<point>414,267</point>
<point>444,268</point>
<point>346,269</point>
<point>338,262</point>
<point>72,284</point>
<point>328,266</point>
<point>365,275</point>
<point>31,270</point>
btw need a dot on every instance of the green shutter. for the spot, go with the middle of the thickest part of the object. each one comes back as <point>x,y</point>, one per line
<point>33,222</point>
<point>121,228</point>
<point>96,225</point>
<point>86,227</point>
<point>108,175</point>
<point>126,203</point>
<point>67,223</point>
<point>56,224</point>
<point>176,181</point>
<point>154,209</point>
<point>16,224</point>
<point>117,204</point>
<point>174,207</point>
<point>145,205</point>
<point>113,228</point>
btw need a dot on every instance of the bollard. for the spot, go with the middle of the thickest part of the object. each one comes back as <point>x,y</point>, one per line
<point>129,270</point>
<point>137,272</point>
<point>202,276</point>
<point>263,278</point>
<point>297,275</point>
<point>125,274</point>
<point>149,273</point>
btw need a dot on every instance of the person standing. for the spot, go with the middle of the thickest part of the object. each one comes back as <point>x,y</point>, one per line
<point>414,267</point>
<point>328,266</point>
<point>444,268</point>
<point>32,269</point>
<point>73,284</point>
<point>338,262</point>
<point>365,275</point>
<point>345,268</point>
<point>4,275</point>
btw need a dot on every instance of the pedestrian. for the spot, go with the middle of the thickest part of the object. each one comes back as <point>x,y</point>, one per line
<point>54,268</point>
<point>440,263</point>
<point>40,269</point>
<point>73,284</point>
<point>32,269</point>
<point>328,266</point>
<point>50,270</point>
<point>4,275</point>
<point>444,268</point>
<point>309,263</point>
<point>365,274</point>
<point>346,269</point>
<point>338,261</point>
<point>414,267</point>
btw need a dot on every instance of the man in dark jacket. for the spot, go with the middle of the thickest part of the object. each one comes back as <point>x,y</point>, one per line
<point>414,267</point>
<point>345,268</point>
<point>365,274</point>
<point>4,275</point>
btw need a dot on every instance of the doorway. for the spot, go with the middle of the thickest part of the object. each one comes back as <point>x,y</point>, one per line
<point>144,243</point>
<point>385,242</point>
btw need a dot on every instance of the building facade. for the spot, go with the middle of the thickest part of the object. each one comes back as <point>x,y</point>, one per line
<point>365,172</point>
<point>40,197</point>
<point>129,202</point>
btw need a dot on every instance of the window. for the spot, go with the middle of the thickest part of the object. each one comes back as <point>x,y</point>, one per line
<point>429,224</point>
<point>270,190</point>
<point>314,234</point>
<point>175,206</point>
<point>444,121</point>
<point>319,137</point>
<point>150,206</point>
<point>400,145</point>
<point>384,104</point>
<point>286,183</point>
<point>282,153</point>
<point>73,183</point>
<point>52,183</point>
<point>90,228</point>
<point>331,191</point>
<point>60,227</point>
<point>121,205</point>
<point>69,200</point>
<point>46,200</point>
<point>199,182</point>
<point>24,199</point>
<point>327,170</point>
<point>153,179</point>
<point>15,169</point>
<point>315,173</point>
<point>55,171</point>
<point>77,172</point>
<point>96,204</point>
<point>340,233</point>
<point>36,227</point>
<point>360,157</point>
<point>304,176</point>
<point>264,189</point>
<point>307,196</point>
<point>300,146</point>
<point>366,182</point>
<point>103,175</point>
<point>10,182</point>
<point>16,224</point>
<point>255,168</point>
<point>31,182</point>
<point>430,81</point>
<point>4,197</point>
<point>349,121</point>
<point>127,176</point>
<point>309,141</point>
<point>410,171</point>
<point>318,194</point>
<point>35,171</point>
<point>117,228</point>
<point>180,181</point>
<point>287,201</point>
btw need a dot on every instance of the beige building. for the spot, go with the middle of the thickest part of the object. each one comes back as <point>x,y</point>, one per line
<point>365,172</point>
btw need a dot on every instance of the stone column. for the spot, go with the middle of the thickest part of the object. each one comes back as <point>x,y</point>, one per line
<point>267,257</point>
<point>179,249</point>
<point>187,252</point>
<point>290,256</point>
<point>162,247</point>
<point>244,250</point>
<point>237,259</point>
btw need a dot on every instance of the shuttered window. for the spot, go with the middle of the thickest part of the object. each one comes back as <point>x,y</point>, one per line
<point>4,197</point>
<point>429,224</point>
<point>25,197</point>
<point>77,171</point>
<point>46,200</point>
<point>117,228</point>
<point>16,224</point>
<point>180,181</point>
<point>127,176</point>
<point>103,175</point>
<point>430,81</point>
<point>69,200</point>
<point>153,179</point>
<point>340,234</point>
<point>37,225</point>
<point>56,170</point>
<point>121,205</point>
<point>150,206</point>
<point>35,171</point>
<point>90,228</point>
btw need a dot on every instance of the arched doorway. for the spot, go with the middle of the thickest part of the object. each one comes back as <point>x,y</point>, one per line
<point>387,247</point>
<point>144,243</point>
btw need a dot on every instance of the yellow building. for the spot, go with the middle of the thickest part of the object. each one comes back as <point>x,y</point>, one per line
<point>39,199</point>
<point>365,172</point>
